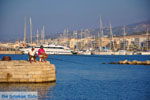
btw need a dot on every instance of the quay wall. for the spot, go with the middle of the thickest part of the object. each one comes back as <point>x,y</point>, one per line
<point>113,53</point>
<point>11,52</point>
<point>24,71</point>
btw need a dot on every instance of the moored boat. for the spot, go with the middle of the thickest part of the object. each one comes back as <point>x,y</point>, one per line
<point>50,49</point>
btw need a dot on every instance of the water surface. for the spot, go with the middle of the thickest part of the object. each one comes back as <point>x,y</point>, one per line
<point>86,78</point>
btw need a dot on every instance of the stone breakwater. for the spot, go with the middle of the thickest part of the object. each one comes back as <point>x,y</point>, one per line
<point>134,62</point>
<point>11,52</point>
<point>24,71</point>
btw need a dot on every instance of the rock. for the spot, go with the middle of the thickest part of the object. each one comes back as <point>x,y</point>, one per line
<point>139,63</point>
<point>134,62</point>
<point>6,58</point>
<point>148,62</point>
<point>123,62</point>
<point>129,62</point>
<point>113,63</point>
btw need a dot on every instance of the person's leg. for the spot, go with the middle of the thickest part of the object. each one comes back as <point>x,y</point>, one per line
<point>45,57</point>
<point>30,58</point>
<point>34,58</point>
<point>40,58</point>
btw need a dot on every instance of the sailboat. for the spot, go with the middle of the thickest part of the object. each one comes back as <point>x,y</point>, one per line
<point>147,52</point>
<point>124,51</point>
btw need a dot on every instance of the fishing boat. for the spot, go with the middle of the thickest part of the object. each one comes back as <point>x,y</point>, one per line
<point>50,49</point>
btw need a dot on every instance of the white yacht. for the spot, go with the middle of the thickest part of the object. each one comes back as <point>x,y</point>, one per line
<point>49,49</point>
<point>84,52</point>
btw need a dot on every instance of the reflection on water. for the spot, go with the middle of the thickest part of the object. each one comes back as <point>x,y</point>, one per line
<point>44,89</point>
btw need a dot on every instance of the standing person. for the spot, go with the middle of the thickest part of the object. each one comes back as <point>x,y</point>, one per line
<point>42,55</point>
<point>32,55</point>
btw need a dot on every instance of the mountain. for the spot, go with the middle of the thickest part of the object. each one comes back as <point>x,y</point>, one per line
<point>131,29</point>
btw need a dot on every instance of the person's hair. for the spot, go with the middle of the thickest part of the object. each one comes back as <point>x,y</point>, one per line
<point>41,46</point>
<point>32,48</point>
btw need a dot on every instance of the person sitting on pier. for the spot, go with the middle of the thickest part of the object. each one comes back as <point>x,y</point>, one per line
<point>42,55</point>
<point>32,55</point>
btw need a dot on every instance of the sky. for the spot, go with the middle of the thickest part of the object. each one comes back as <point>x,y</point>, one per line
<point>56,15</point>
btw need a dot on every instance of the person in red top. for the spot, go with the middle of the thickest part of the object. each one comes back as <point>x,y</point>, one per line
<point>42,55</point>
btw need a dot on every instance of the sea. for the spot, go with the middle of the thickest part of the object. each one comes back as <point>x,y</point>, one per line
<point>90,77</point>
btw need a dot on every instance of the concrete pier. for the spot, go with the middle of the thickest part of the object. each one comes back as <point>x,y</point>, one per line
<point>23,71</point>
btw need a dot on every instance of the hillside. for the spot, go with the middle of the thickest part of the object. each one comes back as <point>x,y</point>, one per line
<point>132,29</point>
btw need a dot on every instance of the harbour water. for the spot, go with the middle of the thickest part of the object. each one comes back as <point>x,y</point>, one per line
<point>87,78</point>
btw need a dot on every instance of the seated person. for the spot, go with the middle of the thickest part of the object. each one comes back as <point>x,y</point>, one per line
<point>42,55</point>
<point>32,55</point>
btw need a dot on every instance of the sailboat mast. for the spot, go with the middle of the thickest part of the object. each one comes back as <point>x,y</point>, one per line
<point>30,30</point>
<point>124,34</point>
<point>25,32</point>
<point>81,33</point>
<point>101,33</point>
<point>101,27</point>
<point>67,32</point>
<point>111,38</point>
<point>43,34</point>
<point>37,36</point>
<point>147,34</point>
<point>64,33</point>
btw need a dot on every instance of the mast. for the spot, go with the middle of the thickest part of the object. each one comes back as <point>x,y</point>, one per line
<point>75,37</point>
<point>30,30</point>
<point>43,34</point>
<point>65,36</point>
<point>81,34</point>
<point>101,33</point>
<point>124,34</point>
<point>147,34</point>
<point>101,27</point>
<point>67,32</point>
<point>25,31</point>
<point>37,36</point>
<point>64,33</point>
<point>111,38</point>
